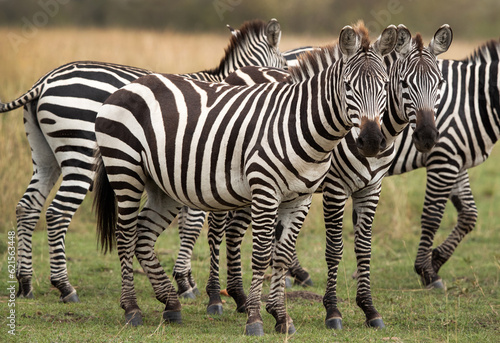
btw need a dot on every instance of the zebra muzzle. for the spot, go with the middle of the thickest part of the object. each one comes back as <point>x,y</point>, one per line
<point>426,135</point>
<point>370,140</point>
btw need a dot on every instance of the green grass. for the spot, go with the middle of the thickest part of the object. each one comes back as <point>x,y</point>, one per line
<point>466,312</point>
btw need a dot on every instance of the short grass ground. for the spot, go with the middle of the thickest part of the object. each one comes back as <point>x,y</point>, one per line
<point>468,311</point>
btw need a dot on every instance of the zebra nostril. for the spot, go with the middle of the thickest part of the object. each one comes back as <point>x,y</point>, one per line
<point>360,143</point>
<point>383,143</point>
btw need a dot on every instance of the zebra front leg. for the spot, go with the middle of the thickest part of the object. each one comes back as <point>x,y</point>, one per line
<point>463,200</point>
<point>190,225</point>
<point>235,230</point>
<point>436,195</point>
<point>333,209</point>
<point>263,219</point>
<point>216,221</point>
<point>290,219</point>
<point>364,205</point>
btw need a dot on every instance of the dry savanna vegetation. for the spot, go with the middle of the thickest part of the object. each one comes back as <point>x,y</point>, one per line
<point>467,312</point>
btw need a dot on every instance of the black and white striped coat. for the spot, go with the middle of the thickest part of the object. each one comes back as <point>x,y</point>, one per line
<point>227,147</point>
<point>59,115</point>
<point>416,75</point>
<point>469,125</point>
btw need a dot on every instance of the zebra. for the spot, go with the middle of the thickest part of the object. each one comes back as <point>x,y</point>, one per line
<point>414,75</point>
<point>59,115</point>
<point>228,147</point>
<point>469,124</point>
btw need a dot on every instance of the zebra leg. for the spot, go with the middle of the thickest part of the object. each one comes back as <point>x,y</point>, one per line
<point>290,219</point>
<point>190,225</point>
<point>69,197</point>
<point>235,230</point>
<point>334,200</point>
<point>364,203</point>
<point>463,200</point>
<point>437,192</point>
<point>264,213</point>
<point>45,174</point>
<point>302,277</point>
<point>216,221</point>
<point>157,214</point>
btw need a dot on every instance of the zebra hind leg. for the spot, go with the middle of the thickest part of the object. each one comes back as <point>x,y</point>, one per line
<point>59,215</point>
<point>157,214</point>
<point>45,174</point>
<point>463,200</point>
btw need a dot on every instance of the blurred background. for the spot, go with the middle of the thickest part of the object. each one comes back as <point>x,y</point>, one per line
<point>469,19</point>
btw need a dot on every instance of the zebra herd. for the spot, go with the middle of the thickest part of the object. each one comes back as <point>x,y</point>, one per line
<point>250,141</point>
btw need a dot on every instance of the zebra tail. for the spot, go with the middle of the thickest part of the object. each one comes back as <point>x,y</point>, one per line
<point>27,97</point>
<point>105,206</point>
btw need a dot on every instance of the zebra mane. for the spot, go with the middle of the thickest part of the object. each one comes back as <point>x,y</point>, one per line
<point>249,31</point>
<point>314,61</point>
<point>492,47</point>
<point>418,42</point>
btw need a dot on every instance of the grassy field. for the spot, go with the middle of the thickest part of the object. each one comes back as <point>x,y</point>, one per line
<point>467,312</point>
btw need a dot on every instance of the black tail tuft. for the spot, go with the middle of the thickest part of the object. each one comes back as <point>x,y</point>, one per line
<point>105,207</point>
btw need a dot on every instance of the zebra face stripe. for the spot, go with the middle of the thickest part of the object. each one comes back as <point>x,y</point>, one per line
<point>418,84</point>
<point>365,85</point>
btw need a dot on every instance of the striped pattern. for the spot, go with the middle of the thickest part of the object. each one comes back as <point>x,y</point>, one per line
<point>59,115</point>
<point>469,125</point>
<point>350,175</point>
<point>226,147</point>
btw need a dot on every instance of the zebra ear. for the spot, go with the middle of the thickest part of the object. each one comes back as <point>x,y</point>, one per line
<point>387,41</point>
<point>349,41</point>
<point>403,45</point>
<point>273,33</point>
<point>234,32</point>
<point>442,40</point>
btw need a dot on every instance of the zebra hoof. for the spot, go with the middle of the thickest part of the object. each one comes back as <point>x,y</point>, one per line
<point>71,298</point>
<point>307,283</point>
<point>438,284</point>
<point>288,282</point>
<point>282,328</point>
<point>172,317</point>
<point>377,323</point>
<point>334,323</point>
<point>188,295</point>
<point>29,295</point>
<point>254,329</point>
<point>215,309</point>
<point>133,319</point>
<point>196,291</point>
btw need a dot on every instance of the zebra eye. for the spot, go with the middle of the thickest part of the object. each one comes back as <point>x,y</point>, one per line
<point>404,84</point>
<point>441,83</point>
<point>347,86</point>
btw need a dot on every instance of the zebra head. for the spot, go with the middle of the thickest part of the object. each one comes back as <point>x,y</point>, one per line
<point>365,83</point>
<point>255,43</point>
<point>416,83</point>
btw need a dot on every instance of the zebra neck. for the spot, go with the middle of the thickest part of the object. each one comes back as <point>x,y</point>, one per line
<point>320,115</point>
<point>395,121</point>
